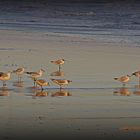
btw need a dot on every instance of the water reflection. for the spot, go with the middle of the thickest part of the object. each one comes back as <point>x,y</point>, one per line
<point>18,84</point>
<point>32,89</point>
<point>61,93</point>
<point>137,86</point>
<point>130,129</point>
<point>41,93</point>
<point>123,91</point>
<point>57,73</point>
<point>4,92</point>
<point>137,90</point>
<point>37,93</point>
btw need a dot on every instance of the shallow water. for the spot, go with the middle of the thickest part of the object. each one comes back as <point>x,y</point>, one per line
<point>74,113</point>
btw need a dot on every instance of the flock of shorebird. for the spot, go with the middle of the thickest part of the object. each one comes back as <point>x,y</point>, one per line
<point>61,82</point>
<point>36,75</point>
<point>126,78</point>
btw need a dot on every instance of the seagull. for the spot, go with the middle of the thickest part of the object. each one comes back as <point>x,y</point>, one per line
<point>61,82</point>
<point>19,72</point>
<point>42,83</point>
<point>59,63</point>
<point>123,79</point>
<point>5,77</point>
<point>137,74</point>
<point>35,75</point>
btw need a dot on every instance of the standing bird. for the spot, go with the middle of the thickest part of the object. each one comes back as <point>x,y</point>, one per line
<point>35,75</point>
<point>137,74</point>
<point>59,62</point>
<point>42,83</point>
<point>61,82</point>
<point>123,79</point>
<point>19,72</point>
<point>5,77</point>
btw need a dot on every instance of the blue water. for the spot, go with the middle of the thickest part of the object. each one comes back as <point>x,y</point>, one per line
<point>106,20</point>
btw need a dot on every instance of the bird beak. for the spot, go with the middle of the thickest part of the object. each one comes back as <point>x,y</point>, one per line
<point>11,71</point>
<point>43,70</point>
<point>132,74</point>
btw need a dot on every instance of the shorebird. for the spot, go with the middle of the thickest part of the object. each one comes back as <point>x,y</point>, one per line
<point>42,83</point>
<point>35,75</point>
<point>123,79</point>
<point>137,74</point>
<point>5,77</point>
<point>19,72</point>
<point>61,82</point>
<point>59,63</point>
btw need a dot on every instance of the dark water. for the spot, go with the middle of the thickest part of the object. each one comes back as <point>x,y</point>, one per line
<point>114,20</point>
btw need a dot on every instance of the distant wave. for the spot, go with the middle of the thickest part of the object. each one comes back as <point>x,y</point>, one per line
<point>98,19</point>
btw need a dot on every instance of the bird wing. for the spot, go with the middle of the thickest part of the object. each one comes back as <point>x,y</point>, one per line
<point>123,78</point>
<point>34,73</point>
<point>1,73</point>
<point>41,81</point>
<point>60,81</point>
<point>19,69</point>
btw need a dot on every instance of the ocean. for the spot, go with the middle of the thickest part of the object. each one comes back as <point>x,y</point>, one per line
<point>115,21</point>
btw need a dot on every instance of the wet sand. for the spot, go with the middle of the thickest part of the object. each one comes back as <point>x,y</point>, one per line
<point>93,106</point>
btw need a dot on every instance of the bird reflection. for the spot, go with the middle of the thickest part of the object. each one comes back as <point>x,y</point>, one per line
<point>4,92</point>
<point>137,86</point>
<point>130,129</point>
<point>136,92</point>
<point>61,93</point>
<point>122,91</point>
<point>37,94</point>
<point>18,84</point>
<point>57,73</point>
<point>41,93</point>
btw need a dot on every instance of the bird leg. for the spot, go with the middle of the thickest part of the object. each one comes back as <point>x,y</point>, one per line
<point>60,89</point>
<point>4,84</point>
<point>59,68</point>
<point>20,78</point>
<point>123,84</point>
<point>42,88</point>
<point>34,83</point>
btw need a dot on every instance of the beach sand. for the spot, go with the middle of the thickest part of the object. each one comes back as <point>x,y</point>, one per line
<point>92,106</point>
